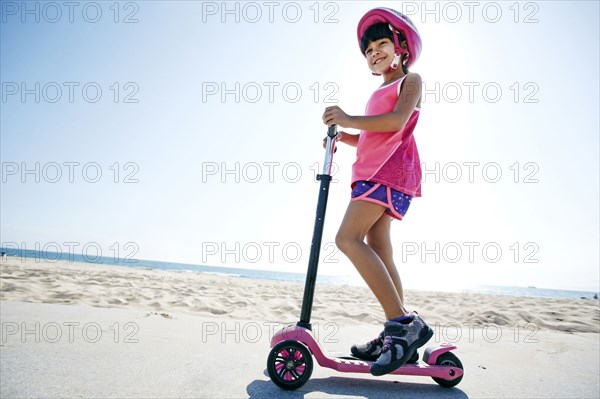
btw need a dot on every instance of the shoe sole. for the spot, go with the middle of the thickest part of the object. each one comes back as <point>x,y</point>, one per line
<point>378,370</point>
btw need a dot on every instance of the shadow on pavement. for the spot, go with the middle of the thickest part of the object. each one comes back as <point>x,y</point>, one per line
<point>354,387</point>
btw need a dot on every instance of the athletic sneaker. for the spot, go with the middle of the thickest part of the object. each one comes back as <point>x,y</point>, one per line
<point>372,349</point>
<point>400,342</point>
<point>369,351</point>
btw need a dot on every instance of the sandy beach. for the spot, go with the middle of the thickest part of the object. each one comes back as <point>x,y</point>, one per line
<point>81,330</point>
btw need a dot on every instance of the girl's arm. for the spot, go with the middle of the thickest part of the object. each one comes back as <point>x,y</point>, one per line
<point>389,122</point>
<point>350,139</point>
<point>346,138</point>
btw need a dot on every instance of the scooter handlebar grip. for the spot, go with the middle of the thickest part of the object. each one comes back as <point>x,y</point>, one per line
<point>332,131</point>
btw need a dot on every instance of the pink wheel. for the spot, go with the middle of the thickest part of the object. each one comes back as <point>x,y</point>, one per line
<point>289,364</point>
<point>448,359</point>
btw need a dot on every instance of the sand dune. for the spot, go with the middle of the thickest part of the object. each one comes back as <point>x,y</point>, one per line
<point>241,298</point>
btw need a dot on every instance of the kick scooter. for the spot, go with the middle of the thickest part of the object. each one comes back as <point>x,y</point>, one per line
<point>290,361</point>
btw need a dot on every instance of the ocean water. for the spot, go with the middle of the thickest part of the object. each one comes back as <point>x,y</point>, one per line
<point>278,276</point>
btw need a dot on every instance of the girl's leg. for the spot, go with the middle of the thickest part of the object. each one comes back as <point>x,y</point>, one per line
<point>379,239</point>
<point>358,220</point>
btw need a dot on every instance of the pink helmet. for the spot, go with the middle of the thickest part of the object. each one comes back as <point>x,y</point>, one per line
<point>397,22</point>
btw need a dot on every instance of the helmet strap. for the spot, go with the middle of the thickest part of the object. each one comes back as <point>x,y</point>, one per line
<point>398,50</point>
<point>395,62</point>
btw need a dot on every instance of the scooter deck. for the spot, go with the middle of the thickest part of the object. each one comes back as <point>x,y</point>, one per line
<point>348,363</point>
<point>344,356</point>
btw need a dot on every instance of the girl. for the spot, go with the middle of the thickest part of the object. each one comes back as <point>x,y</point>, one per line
<point>385,178</point>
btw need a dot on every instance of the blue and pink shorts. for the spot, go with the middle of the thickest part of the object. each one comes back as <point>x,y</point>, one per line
<point>395,202</point>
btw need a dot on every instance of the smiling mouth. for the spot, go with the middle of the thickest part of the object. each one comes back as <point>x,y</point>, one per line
<point>378,60</point>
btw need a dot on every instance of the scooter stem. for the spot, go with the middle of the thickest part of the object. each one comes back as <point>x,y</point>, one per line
<point>315,247</point>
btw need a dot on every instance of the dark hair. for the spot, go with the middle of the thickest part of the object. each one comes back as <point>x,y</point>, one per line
<point>377,32</point>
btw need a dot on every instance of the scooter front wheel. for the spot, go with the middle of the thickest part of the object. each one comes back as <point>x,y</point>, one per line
<point>289,364</point>
<point>448,359</point>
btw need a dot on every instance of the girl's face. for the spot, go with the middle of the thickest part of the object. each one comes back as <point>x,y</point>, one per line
<point>379,55</point>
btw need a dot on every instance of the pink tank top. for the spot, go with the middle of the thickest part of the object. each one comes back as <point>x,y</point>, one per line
<point>389,158</point>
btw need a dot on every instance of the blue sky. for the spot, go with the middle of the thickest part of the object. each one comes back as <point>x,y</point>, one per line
<point>210,112</point>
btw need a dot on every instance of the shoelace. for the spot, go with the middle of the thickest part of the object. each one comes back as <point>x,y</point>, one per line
<point>387,342</point>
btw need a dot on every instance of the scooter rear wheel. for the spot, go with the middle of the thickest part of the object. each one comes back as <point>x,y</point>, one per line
<point>289,364</point>
<point>448,359</point>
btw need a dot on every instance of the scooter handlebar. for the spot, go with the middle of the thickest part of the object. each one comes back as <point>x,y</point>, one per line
<point>332,131</point>
<point>330,148</point>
